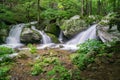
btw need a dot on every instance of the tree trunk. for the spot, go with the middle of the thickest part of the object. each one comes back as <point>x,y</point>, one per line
<point>38,4</point>
<point>90,7</point>
<point>82,8</point>
<point>99,7</point>
<point>87,8</point>
<point>114,5</point>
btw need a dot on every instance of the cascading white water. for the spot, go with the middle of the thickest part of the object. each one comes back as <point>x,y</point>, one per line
<point>90,33</point>
<point>13,40</point>
<point>45,38</point>
<point>61,37</point>
<point>14,35</point>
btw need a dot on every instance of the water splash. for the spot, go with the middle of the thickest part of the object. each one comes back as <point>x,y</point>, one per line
<point>90,33</point>
<point>45,38</point>
<point>13,40</point>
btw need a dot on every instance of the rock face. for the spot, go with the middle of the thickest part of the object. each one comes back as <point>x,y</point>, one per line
<point>73,25</point>
<point>53,28</point>
<point>3,35</point>
<point>106,34</point>
<point>106,31</point>
<point>53,37</point>
<point>30,36</point>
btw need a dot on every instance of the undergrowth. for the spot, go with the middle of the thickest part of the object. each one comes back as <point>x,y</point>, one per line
<point>87,53</point>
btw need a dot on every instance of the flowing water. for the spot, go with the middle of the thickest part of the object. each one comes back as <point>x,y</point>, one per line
<point>45,38</point>
<point>13,40</point>
<point>61,37</point>
<point>90,33</point>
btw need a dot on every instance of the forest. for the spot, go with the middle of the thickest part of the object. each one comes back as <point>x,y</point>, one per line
<point>59,39</point>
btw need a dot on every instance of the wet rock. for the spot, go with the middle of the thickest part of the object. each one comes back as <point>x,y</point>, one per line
<point>53,29</point>
<point>3,35</point>
<point>53,37</point>
<point>30,36</point>
<point>105,35</point>
<point>106,31</point>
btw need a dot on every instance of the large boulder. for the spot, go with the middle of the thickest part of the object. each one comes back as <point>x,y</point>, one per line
<point>106,34</point>
<point>108,28</point>
<point>53,38</point>
<point>53,29</point>
<point>30,36</point>
<point>73,26</point>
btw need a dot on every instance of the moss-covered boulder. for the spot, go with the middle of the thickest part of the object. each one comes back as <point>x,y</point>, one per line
<point>53,29</point>
<point>30,36</point>
<point>73,26</point>
<point>53,37</point>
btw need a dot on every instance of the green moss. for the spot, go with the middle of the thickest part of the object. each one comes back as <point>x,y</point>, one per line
<point>53,28</point>
<point>53,37</point>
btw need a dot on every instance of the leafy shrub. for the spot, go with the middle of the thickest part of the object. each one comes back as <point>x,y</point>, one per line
<point>5,66</point>
<point>36,69</point>
<point>87,52</point>
<point>59,73</point>
<point>91,45</point>
<point>33,49</point>
<point>5,51</point>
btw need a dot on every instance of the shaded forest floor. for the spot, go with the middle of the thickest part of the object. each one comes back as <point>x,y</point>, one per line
<point>103,68</point>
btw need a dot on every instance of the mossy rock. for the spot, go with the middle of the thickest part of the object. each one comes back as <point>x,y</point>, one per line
<point>30,36</point>
<point>53,29</point>
<point>53,37</point>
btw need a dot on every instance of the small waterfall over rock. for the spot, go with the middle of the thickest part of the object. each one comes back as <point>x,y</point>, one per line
<point>90,33</point>
<point>61,36</point>
<point>45,38</point>
<point>13,40</point>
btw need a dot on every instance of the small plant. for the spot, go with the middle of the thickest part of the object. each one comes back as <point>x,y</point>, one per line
<point>36,69</point>
<point>5,66</point>
<point>59,73</point>
<point>87,52</point>
<point>33,49</point>
<point>91,45</point>
<point>5,51</point>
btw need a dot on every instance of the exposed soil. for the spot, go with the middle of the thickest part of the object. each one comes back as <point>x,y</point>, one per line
<point>22,67</point>
<point>104,67</point>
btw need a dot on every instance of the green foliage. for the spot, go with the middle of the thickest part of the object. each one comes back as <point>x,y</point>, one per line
<point>33,49</point>
<point>87,52</point>
<point>3,72</point>
<point>36,69</point>
<point>91,45</point>
<point>92,19</point>
<point>5,51</point>
<point>5,66</point>
<point>59,72</point>
<point>39,65</point>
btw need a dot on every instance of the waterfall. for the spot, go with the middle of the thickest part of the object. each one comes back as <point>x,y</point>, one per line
<point>61,37</point>
<point>45,38</point>
<point>90,33</point>
<point>13,39</point>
